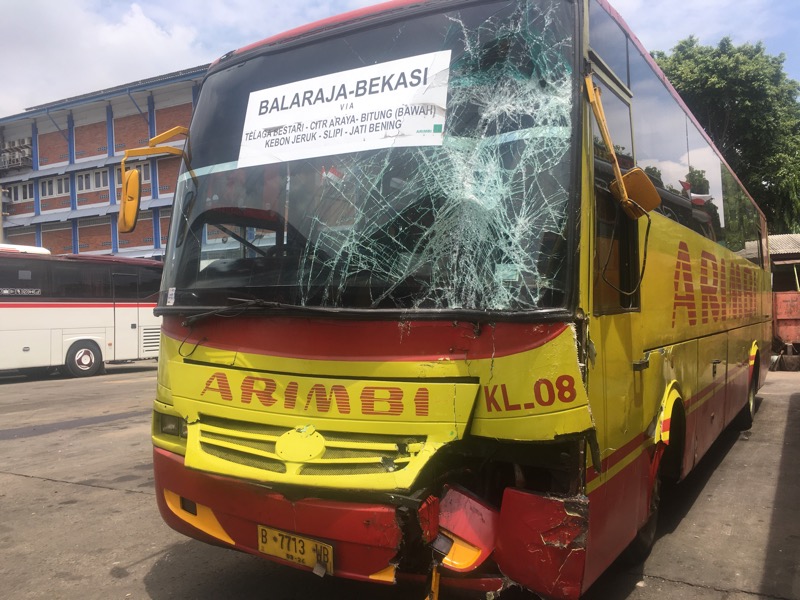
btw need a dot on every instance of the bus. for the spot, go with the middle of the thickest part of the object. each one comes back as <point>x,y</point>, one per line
<point>24,249</point>
<point>451,289</point>
<point>75,312</point>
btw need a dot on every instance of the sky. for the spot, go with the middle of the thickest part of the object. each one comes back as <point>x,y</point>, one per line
<point>51,50</point>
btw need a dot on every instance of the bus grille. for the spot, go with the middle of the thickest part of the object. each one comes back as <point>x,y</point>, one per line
<point>253,445</point>
<point>151,337</point>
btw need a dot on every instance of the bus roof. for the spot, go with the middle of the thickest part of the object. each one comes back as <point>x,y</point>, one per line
<point>23,249</point>
<point>44,254</point>
<point>352,16</point>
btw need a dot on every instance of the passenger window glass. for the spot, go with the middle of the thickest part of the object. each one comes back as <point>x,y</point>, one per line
<point>660,131</point>
<point>741,227</point>
<point>608,41</point>
<point>26,277</point>
<point>84,281</point>
<point>618,115</point>
<point>703,186</point>
<point>616,256</point>
<point>125,286</point>
<point>149,283</point>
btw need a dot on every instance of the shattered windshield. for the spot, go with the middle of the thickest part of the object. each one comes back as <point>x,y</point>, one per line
<point>421,164</point>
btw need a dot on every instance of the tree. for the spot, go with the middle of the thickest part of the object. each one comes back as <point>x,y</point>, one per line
<point>749,107</point>
<point>655,174</point>
<point>698,181</point>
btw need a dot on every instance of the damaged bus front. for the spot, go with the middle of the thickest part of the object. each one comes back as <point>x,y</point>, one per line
<point>372,360</point>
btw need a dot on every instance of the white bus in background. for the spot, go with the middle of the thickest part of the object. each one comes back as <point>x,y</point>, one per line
<point>24,249</point>
<point>75,312</point>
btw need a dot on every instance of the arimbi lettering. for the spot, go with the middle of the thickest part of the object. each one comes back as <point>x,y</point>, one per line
<point>388,401</point>
<point>724,291</point>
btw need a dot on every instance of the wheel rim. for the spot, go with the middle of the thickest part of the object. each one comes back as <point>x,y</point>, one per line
<point>84,359</point>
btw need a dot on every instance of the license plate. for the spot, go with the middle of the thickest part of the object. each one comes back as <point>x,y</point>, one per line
<point>295,548</point>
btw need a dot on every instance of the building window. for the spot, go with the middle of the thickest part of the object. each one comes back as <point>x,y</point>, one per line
<point>144,172</point>
<point>82,181</point>
<point>57,186</point>
<point>94,180</point>
<point>20,192</point>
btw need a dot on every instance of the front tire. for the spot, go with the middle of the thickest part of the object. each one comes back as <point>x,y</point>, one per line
<point>84,359</point>
<point>639,549</point>
<point>744,420</point>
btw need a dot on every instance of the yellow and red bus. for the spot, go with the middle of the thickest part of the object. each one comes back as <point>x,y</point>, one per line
<point>451,287</point>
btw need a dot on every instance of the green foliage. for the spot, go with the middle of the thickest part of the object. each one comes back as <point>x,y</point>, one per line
<point>698,180</point>
<point>746,103</point>
<point>655,174</point>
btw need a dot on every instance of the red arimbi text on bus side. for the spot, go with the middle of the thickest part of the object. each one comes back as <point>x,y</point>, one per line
<point>726,291</point>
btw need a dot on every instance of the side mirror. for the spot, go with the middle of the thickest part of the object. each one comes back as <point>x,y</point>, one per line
<point>637,194</point>
<point>129,203</point>
<point>131,182</point>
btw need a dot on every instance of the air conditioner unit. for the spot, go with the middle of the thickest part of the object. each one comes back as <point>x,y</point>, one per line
<point>11,144</point>
<point>25,142</point>
<point>27,153</point>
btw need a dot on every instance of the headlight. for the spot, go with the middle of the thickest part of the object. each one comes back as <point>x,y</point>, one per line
<point>172,425</point>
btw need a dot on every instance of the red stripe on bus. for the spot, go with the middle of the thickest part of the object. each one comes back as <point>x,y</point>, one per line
<point>617,456</point>
<point>633,445</point>
<point>77,305</point>
<point>364,340</point>
<point>734,372</point>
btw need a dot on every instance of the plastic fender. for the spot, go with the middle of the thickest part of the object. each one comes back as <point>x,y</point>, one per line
<point>671,396</point>
<point>752,359</point>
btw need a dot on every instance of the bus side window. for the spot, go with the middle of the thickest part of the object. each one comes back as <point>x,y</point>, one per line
<point>149,284</point>
<point>616,256</point>
<point>22,273</point>
<point>85,281</point>
<point>125,286</point>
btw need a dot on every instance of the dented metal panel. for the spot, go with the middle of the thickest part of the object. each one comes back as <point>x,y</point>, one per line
<point>541,542</point>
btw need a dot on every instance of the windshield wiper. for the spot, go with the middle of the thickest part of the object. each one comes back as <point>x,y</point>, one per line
<point>244,304</point>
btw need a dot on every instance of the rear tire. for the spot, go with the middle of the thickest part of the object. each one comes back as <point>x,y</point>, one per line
<point>83,359</point>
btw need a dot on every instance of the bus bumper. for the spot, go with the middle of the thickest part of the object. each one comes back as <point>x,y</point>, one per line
<point>366,537</point>
<point>536,541</point>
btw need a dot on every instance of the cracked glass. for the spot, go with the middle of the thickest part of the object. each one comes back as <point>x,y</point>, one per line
<point>466,208</point>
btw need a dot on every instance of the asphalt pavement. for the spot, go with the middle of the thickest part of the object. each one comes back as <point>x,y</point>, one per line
<point>78,518</point>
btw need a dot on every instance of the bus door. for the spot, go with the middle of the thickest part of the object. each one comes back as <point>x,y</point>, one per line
<point>126,316</point>
<point>617,337</point>
<point>616,383</point>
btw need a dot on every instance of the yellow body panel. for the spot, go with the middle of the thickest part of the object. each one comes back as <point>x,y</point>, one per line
<point>269,418</point>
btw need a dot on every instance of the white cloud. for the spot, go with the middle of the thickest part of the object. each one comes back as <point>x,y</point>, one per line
<point>54,50</point>
<point>63,49</point>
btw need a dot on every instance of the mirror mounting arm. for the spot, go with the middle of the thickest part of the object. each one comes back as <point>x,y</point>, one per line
<point>131,185</point>
<point>635,179</point>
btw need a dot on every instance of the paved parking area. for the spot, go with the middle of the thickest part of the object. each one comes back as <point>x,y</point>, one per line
<point>78,519</point>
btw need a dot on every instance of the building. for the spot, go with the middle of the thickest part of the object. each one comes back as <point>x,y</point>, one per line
<point>784,251</point>
<point>60,166</point>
